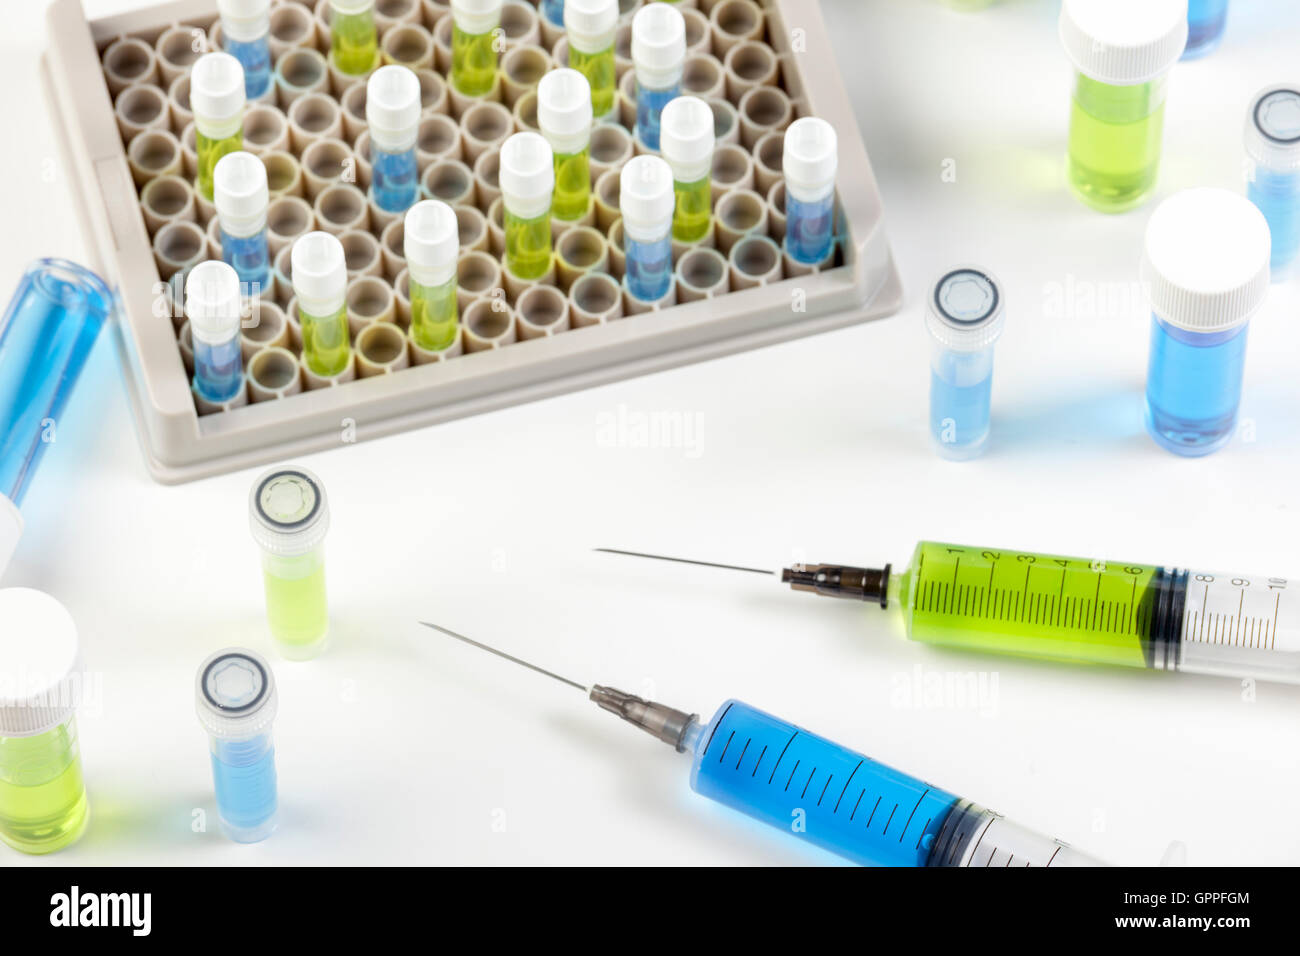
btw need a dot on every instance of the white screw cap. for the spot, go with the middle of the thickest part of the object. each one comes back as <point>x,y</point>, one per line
<point>658,46</point>
<point>564,110</point>
<point>431,242</point>
<point>234,694</point>
<point>320,273</point>
<point>476,16</point>
<point>1273,128</point>
<point>393,108</point>
<point>965,312</point>
<point>590,24</point>
<point>1205,264</point>
<point>1121,42</point>
<point>646,198</point>
<point>244,20</point>
<point>686,137</point>
<point>217,95</point>
<point>212,302</point>
<point>240,194</point>
<point>809,159</point>
<point>41,676</point>
<point>288,512</point>
<point>527,175</point>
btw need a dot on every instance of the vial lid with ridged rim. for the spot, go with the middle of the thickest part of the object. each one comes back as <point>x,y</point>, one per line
<point>590,24</point>
<point>1123,42</point>
<point>966,310</point>
<point>212,302</point>
<point>244,20</point>
<point>658,46</point>
<point>41,674</point>
<point>234,694</point>
<point>217,94</point>
<point>527,175</point>
<point>1273,127</point>
<point>1205,261</point>
<point>564,110</point>
<point>431,242</point>
<point>288,512</point>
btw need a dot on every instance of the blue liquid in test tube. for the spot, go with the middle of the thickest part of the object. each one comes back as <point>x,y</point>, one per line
<point>1273,183</point>
<point>647,200</point>
<point>658,56</point>
<point>649,268</point>
<point>255,57</point>
<point>1194,384</point>
<point>965,318</point>
<point>809,228</point>
<point>810,158</point>
<point>649,107</point>
<point>245,35</point>
<point>249,256</point>
<point>243,775</point>
<point>1205,22</point>
<point>394,180</point>
<point>393,119</point>
<point>553,10</point>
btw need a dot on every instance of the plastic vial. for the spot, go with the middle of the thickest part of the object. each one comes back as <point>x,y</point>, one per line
<point>1122,52</point>
<point>320,281</point>
<point>809,161</point>
<point>289,517</point>
<point>245,35</point>
<point>564,114</point>
<point>46,334</point>
<point>240,195</point>
<point>658,56</point>
<point>212,306</point>
<point>527,181</point>
<point>236,703</point>
<point>393,118</point>
<point>354,41</point>
<point>1205,22</point>
<point>42,795</point>
<point>1205,266</point>
<point>646,200</point>
<point>1273,146</point>
<point>474,45</point>
<point>217,99</point>
<point>590,26</point>
<point>686,139</point>
<point>964,317</point>
<point>431,242</point>
<point>553,10</point>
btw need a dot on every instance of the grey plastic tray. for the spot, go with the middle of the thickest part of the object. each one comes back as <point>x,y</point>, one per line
<point>181,445</point>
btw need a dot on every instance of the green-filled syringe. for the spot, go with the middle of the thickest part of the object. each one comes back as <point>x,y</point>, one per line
<point>1075,609</point>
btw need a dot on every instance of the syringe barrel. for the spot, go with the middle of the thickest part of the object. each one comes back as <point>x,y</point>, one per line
<point>1240,625</point>
<point>976,837</point>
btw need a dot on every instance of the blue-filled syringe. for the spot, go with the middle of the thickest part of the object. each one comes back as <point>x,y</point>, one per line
<point>829,795</point>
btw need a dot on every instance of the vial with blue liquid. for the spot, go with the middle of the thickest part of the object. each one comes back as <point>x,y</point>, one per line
<point>245,35</point>
<point>1273,173</point>
<point>809,161</point>
<point>239,191</point>
<point>965,317</point>
<point>1205,267</point>
<point>236,703</point>
<point>1205,22</point>
<point>647,201</point>
<point>393,118</point>
<point>212,305</point>
<point>553,11</point>
<point>659,57</point>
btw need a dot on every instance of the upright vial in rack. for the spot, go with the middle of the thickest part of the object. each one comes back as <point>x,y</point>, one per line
<point>646,201</point>
<point>42,795</point>
<point>217,99</point>
<point>590,26</point>
<point>658,56</point>
<point>354,41</point>
<point>240,195</point>
<point>289,515</point>
<point>474,45</point>
<point>686,140</point>
<point>965,317</point>
<point>393,118</point>
<point>1122,52</point>
<point>245,35</point>
<point>212,306</point>
<point>527,181</point>
<point>236,703</point>
<point>1205,267</point>
<point>564,114</point>
<point>1205,22</point>
<point>553,10</point>
<point>431,242</point>
<point>809,161</point>
<point>320,281</point>
<point>1273,177</point>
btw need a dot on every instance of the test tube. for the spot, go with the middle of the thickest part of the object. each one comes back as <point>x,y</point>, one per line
<point>658,57</point>
<point>236,702</point>
<point>217,99</point>
<point>1273,147</point>
<point>212,306</point>
<point>46,334</point>
<point>1122,53</point>
<point>474,45</point>
<point>1205,22</point>
<point>590,26</point>
<point>553,10</point>
<point>320,279</point>
<point>354,41</point>
<point>646,201</point>
<point>431,242</point>
<point>564,115</point>
<point>809,161</point>
<point>393,118</point>
<point>240,195</point>
<point>527,181</point>
<point>965,318</point>
<point>686,139</point>
<point>289,515</point>
<point>245,35</point>
<point>43,804</point>
<point>1205,269</point>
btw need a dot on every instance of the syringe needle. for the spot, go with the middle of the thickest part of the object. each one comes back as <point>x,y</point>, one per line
<point>509,657</point>
<point>663,557</point>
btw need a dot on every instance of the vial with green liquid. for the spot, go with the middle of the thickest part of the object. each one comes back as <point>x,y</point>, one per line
<point>431,243</point>
<point>1122,53</point>
<point>43,804</point>
<point>564,114</point>
<point>217,99</point>
<point>354,41</point>
<point>590,26</point>
<point>527,181</point>
<point>474,45</point>
<point>320,280</point>
<point>289,515</point>
<point>686,141</point>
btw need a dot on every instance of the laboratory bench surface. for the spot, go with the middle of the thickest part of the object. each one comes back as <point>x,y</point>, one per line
<point>401,746</point>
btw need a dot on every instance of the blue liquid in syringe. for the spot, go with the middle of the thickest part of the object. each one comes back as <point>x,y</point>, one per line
<point>844,802</point>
